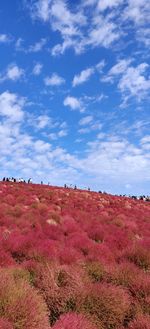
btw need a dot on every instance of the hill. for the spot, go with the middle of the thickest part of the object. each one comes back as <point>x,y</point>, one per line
<point>72,259</point>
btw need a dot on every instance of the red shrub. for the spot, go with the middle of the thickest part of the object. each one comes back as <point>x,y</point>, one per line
<point>59,286</point>
<point>96,271</point>
<point>5,258</point>
<point>123,274</point>
<point>69,255</point>
<point>20,304</point>
<point>101,252</point>
<point>73,321</point>
<point>140,286</point>
<point>4,324</point>
<point>141,322</point>
<point>139,256</point>
<point>80,242</point>
<point>107,304</point>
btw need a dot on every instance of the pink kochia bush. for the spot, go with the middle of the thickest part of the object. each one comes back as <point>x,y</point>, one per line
<point>20,304</point>
<point>110,306</point>
<point>4,324</point>
<point>73,321</point>
<point>142,322</point>
<point>73,259</point>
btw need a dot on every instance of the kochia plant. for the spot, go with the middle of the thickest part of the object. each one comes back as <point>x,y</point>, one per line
<point>20,304</point>
<point>73,321</point>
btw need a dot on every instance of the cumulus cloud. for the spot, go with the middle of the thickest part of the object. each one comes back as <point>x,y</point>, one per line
<point>43,121</point>
<point>119,68</point>
<point>34,48</point>
<point>145,139</point>
<point>137,11</point>
<point>4,38</point>
<point>37,69</point>
<point>77,30</point>
<point>132,80</point>
<point>85,75</point>
<point>62,133</point>
<point>54,80</point>
<point>93,23</point>
<point>105,4</point>
<point>74,103</point>
<point>13,73</point>
<point>120,161</point>
<point>86,120</point>
<point>11,106</point>
<point>88,125</point>
<point>41,9</point>
<point>82,77</point>
<point>38,46</point>
<point>100,66</point>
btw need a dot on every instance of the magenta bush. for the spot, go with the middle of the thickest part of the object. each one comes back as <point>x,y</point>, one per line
<point>4,324</point>
<point>109,305</point>
<point>142,322</point>
<point>21,305</point>
<point>73,321</point>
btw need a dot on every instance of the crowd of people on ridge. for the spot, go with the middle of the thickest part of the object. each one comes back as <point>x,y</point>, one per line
<point>21,180</point>
<point>15,180</point>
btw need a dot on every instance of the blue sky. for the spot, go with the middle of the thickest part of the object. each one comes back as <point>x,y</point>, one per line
<point>75,93</point>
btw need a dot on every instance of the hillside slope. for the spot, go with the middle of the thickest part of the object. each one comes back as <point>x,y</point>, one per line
<point>72,259</point>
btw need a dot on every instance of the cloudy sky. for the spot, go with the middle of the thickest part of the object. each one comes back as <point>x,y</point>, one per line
<point>75,93</point>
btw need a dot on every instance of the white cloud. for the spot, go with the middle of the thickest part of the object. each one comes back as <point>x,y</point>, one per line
<point>94,23</point>
<point>37,69</point>
<point>43,121</point>
<point>54,80</point>
<point>4,38</point>
<point>87,73</point>
<point>62,133</point>
<point>11,106</point>
<point>132,81</point>
<point>120,67</point>
<point>103,33</point>
<point>13,73</point>
<point>18,44</point>
<point>145,140</point>
<point>34,48</point>
<point>119,161</point>
<point>63,125</point>
<point>101,65</point>
<point>74,103</point>
<point>78,30</point>
<point>82,77</point>
<point>38,46</point>
<point>41,146</point>
<point>138,11</point>
<point>84,130</point>
<point>105,4</point>
<point>90,124</point>
<point>64,20</point>
<point>86,120</point>
<point>41,9</point>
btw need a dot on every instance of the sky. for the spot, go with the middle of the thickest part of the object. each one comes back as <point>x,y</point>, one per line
<point>75,93</point>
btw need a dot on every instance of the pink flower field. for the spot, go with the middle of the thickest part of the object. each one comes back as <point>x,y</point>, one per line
<point>73,259</point>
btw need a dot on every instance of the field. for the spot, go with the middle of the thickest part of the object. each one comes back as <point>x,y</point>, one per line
<point>72,259</point>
